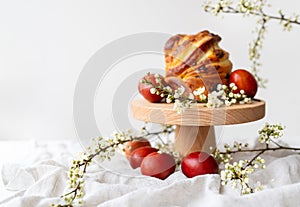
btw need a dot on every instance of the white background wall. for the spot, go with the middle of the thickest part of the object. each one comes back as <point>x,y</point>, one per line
<point>45,44</point>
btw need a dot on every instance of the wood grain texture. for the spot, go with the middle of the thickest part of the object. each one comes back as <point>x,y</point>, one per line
<point>198,114</point>
<point>194,138</point>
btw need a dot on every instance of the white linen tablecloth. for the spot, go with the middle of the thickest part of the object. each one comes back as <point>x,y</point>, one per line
<point>38,177</point>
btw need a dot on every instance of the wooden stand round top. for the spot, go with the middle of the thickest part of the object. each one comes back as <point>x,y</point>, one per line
<point>194,127</point>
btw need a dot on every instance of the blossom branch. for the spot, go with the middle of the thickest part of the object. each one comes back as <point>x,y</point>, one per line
<point>255,52</point>
<point>222,95</point>
<point>239,172</point>
<point>256,9</point>
<point>231,10</point>
<point>104,149</point>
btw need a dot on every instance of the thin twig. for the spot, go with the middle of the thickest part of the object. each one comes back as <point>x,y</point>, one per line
<point>231,10</point>
<point>261,149</point>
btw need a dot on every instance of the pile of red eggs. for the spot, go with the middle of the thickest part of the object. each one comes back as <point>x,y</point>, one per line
<point>161,165</point>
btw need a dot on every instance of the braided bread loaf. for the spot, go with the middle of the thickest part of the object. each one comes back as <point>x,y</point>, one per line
<point>197,60</point>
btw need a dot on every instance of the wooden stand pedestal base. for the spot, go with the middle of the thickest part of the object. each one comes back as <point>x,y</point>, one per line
<point>194,138</point>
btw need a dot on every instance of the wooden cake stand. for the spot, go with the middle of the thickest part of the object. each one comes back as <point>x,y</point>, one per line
<point>195,127</point>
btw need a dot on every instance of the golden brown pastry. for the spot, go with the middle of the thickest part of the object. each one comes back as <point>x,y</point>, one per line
<point>197,60</point>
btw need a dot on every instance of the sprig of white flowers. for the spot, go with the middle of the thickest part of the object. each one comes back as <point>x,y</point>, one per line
<point>223,95</point>
<point>227,96</point>
<point>238,174</point>
<point>254,8</point>
<point>270,132</point>
<point>102,149</point>
<point>177,96</point>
